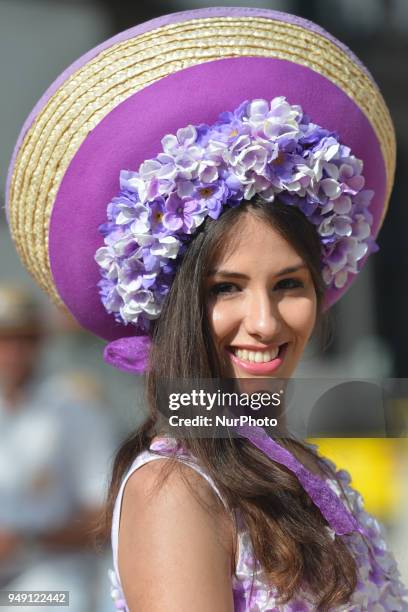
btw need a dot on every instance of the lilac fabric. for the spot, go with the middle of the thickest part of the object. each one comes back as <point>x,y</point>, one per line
<point>128,354</point>
<point>118,142</point>
<point>332,508</point>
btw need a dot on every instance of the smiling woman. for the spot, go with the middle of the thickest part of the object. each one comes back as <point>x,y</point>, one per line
<point>263,302</point>
<point>244,212</point>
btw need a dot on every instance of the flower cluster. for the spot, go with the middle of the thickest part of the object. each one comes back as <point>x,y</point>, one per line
<point>267,148</point>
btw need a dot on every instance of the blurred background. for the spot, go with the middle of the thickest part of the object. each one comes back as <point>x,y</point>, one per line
<point>73,390</point>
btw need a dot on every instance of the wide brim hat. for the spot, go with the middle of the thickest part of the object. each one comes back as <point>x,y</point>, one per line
<point>110,110</point>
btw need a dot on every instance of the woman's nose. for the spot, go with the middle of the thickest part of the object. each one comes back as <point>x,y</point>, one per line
<point>262,317</point>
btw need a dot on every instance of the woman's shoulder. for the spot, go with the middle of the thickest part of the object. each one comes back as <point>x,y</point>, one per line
<point>165,481</point>
<point>177,466</point>
<point>164,474</point>
<point>171,527</point>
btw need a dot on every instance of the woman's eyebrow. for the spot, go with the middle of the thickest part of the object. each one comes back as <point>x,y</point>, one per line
<point>231,274</point>
<point>292,269</point>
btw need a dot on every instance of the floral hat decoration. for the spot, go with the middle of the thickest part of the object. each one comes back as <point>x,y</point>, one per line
<point>180,118</point>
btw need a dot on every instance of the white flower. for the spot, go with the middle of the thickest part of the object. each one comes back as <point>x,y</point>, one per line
<point>361,228</point>
<point>340,279</point>
<point>326,227</point>
<point>104,257</point>
<point>341,205</point>
<point>185,137</point>
<point>140,301</point>
<point>138,215</point>
<point>167,247</point>
<point>126,288</point>
<point>342,225</point>
<point>331,188</point>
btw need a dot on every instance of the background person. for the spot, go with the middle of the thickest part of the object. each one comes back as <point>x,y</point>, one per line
<point>55,448</point>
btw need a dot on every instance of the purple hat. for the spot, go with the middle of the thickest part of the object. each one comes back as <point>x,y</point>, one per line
<point>110,110</point>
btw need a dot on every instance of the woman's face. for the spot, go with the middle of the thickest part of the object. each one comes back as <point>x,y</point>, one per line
<point>261,304</point>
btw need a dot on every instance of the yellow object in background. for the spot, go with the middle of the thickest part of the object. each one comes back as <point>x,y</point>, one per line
<point>375,468</point>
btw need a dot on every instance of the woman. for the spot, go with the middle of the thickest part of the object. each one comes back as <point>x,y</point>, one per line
<point>240,312</point>
<point>219,255</point>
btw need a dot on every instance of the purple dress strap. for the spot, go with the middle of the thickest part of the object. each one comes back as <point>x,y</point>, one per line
<point>330,505</point>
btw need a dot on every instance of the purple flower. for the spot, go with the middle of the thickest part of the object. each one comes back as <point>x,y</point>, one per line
<point>308,205</point>
<point>111,232</point>
<point>179,215</point>
<point>157,211</point>
<point>328,145</point>
<point>313,135</point>
<point>123,199</point>
<point>175,145</point>
<point>282,168</point>
<point>349,174</point>
<point>337,258</point>
<point>361,202</point>
<point>212,197</point>
<point>227,130</point>
<point>234,186</point>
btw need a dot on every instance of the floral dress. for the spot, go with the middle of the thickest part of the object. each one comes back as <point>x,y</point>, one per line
<point>379,587</point>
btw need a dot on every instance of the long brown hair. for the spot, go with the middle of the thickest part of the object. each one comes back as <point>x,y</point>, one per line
<point>287,530</point>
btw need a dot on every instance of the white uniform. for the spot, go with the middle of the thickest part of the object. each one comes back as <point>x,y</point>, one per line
<point>55,454</point>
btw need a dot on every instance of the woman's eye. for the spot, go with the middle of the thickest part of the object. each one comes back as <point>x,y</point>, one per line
<point>289,283</point>
<point>220,288</point>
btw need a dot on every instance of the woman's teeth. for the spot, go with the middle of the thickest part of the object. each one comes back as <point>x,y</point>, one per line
<point>256,356</point>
